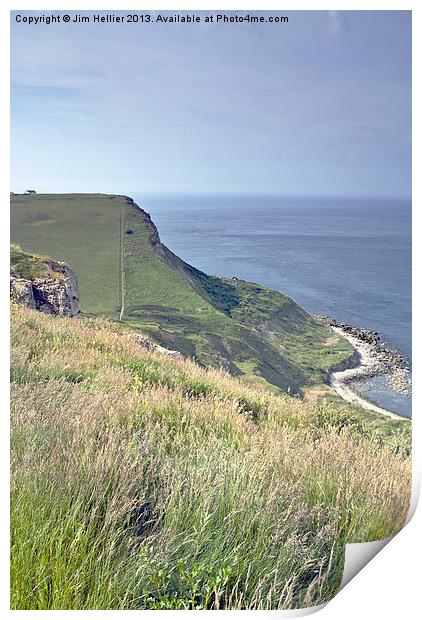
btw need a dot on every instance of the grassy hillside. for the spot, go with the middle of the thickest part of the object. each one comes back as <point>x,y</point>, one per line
<point>115,250</point>
<point>140,481</point>
<point>82,230</point>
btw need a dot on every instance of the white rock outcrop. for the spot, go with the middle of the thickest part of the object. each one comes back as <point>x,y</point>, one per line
<point>52,295</point>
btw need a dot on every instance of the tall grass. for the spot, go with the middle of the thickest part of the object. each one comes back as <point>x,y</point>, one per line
<point>140,481</point>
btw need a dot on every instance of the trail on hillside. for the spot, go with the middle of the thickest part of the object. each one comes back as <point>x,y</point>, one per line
<point>121,265</point>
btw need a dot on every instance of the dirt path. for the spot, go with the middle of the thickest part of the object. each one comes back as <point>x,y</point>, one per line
<point>121,265</point>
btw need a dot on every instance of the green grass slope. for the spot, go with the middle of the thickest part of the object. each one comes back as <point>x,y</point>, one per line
<point>82,230</point>
<point>140,481</point>
<point>115,250</point>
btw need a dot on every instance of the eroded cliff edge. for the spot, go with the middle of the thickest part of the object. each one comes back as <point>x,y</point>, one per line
<point>43,284</point>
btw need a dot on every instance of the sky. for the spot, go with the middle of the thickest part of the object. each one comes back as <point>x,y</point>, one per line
<point>320,106</point>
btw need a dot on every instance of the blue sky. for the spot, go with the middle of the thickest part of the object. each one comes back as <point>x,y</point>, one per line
<point>318,106</point>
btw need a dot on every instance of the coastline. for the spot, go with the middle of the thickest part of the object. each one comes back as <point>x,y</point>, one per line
<point>373,359</point>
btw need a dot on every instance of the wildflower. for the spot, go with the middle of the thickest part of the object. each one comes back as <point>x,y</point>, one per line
<point>138,380</point>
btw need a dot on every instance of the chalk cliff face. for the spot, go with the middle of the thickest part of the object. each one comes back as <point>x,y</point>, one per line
<point>55,293</point>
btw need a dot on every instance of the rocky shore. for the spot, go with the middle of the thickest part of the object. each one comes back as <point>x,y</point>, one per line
<point>375,359</point>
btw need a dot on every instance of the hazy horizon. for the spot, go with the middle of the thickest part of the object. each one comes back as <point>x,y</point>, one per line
<point>319,106</point>
<point>233,194</point>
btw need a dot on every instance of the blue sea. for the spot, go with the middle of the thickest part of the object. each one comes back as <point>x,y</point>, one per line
<point>348,259</point>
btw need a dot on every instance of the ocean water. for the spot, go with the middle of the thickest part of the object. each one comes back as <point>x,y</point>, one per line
<point>348,259</point>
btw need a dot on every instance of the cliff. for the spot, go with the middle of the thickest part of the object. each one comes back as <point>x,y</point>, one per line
<point>43,284</point>
<point>125,272</point>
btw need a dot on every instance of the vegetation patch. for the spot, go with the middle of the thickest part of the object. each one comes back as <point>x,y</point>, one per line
<point>30,266</point>
<point>140,481</point>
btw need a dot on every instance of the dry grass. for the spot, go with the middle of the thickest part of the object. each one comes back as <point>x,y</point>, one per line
<point>143,481</point>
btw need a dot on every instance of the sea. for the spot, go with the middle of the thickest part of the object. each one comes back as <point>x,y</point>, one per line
<point>349,259</point>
